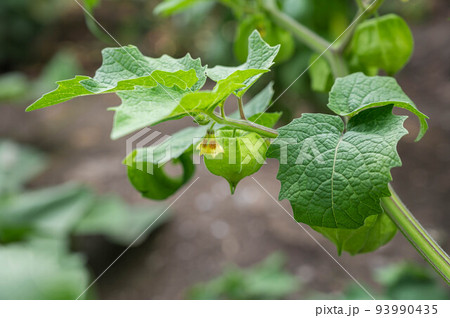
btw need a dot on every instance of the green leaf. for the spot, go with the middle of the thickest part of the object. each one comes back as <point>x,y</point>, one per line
<point>169,7</point>
<point>124,69</point>
<point>63,64</point>
<point>152,181</point>
<point>266,119</point>
<point>18,164</point>
<point>207,101</point>
<point>41,271</point>
<point>260,56</point>
<point>120,222</point>
<point>334,176</point>
<point>67,90</point>
<point>271,33</point>
<point>171,148</point>
<point>357,92</point>
<point>49,212</point>
<point>377,231</point>
<point>320,73</point>
<point>384,42</point>
<point>150,106</point>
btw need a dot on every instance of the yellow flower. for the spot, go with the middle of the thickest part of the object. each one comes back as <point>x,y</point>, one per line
<point>209,145</point>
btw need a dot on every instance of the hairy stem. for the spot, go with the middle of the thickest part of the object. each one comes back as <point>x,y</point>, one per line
<point>417,235</point>
<point>244,125</point>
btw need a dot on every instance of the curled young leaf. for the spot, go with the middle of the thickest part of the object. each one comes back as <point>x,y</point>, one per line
<point>356,92</point>
<point>151,180</point>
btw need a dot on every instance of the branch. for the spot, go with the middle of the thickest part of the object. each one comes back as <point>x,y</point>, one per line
<point>308,37</point>
<point>417,235</point>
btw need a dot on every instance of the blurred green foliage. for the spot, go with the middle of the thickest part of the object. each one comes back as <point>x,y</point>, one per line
<point>266,280</point>
<point>269,280</point>
<point>22,21</point>
<point>16,87</point>
<point>42,270</point>
<point>36,228</point>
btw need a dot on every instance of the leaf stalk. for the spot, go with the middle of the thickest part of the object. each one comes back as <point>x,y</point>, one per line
<point>244,125</point>
<point>241,108</point>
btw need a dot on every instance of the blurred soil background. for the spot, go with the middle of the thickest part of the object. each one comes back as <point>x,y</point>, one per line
<point>210,228</point>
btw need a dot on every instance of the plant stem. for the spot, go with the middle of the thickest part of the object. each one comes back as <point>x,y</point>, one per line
<point>241,108</point>
<point>245,125</point>
<point>417,235</point>
<point>308,37</point>
<point>360,16</point>
<point>222,110</point>
<point>305,35</point>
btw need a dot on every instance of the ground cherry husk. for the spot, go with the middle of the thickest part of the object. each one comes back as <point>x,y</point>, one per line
<point>241,154</point>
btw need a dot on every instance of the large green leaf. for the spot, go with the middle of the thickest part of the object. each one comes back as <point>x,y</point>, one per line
<point>334,176</point>
<point>150,106</point>
<point>119,222</point>
<point>260,56</point>
<point>124,69</point>
<point>356,92</point>
<point>377,231</point>
<point>184,139</point>
<point>384,43</point>
<point>18,164</point>
<point>41,271</point>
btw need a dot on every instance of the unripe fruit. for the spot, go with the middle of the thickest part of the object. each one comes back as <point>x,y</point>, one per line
<point>242,154</point>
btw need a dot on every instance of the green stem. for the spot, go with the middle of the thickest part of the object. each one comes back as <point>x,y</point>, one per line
<point>305,35</point>
<point>360,4</point>
<point>360,16</point>
<point>308,37</point>
<point>245,125</point>
<point>222,110</point>
<point>241,108</point>
<point>417,235</point>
